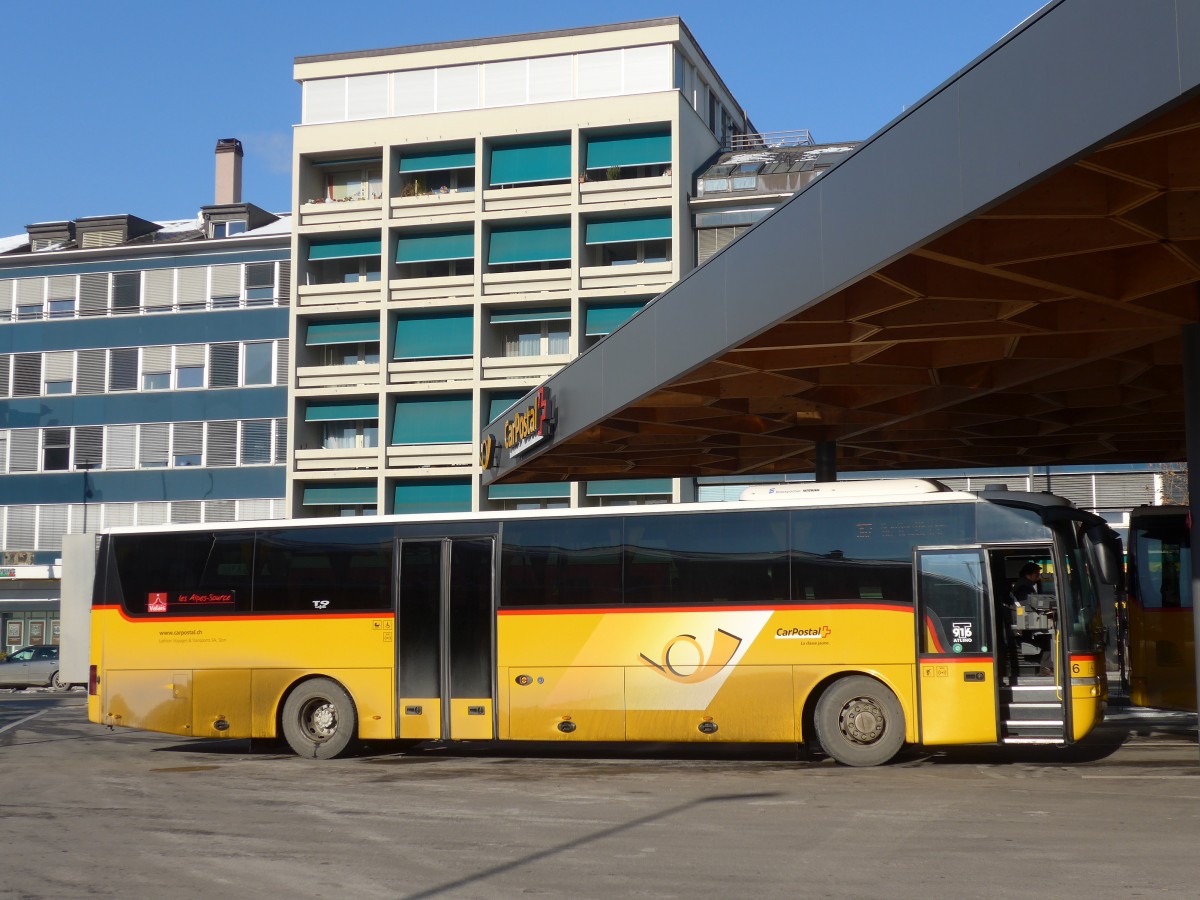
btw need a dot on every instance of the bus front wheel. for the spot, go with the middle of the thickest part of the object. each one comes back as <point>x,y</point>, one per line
<point>859,722</point>
<point>319,720</point>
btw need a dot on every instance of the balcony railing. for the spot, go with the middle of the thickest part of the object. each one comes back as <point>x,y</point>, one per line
<point>767,139</point>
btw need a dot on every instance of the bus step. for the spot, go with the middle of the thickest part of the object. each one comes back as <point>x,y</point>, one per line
<point>1033,740</point>
<point>1046,713</point>
<point>1034,723</point>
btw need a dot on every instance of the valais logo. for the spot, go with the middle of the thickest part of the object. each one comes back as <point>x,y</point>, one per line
<point>156,602</point>
<point>724,645</point>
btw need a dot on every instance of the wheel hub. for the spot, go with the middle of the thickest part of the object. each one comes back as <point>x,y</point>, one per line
<point>322,720</point>
<point>862,720</point>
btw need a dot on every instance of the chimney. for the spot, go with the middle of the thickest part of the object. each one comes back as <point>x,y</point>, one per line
<point>229,172</point>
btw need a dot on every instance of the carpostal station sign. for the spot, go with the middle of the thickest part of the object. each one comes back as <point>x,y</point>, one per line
<point>528,425</point>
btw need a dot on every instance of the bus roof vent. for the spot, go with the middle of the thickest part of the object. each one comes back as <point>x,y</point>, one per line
<point>830,490</point>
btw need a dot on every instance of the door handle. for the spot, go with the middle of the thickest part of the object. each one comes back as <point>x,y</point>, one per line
<point>974,676</point>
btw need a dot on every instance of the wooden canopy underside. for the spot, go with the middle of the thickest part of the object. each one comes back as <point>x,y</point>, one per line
<point>1044,331</point>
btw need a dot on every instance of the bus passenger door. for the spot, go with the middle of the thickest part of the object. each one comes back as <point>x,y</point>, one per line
<point>444,649</point>
<point>956,663</point>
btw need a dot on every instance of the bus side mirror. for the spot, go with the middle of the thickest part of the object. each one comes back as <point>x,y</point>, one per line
<point>1106,553</point>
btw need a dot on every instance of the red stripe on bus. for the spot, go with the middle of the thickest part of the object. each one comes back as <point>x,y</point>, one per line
<point>933,635</point>
<point>155,617</point>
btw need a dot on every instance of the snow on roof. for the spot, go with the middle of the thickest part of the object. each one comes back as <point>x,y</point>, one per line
<point>282,226</point>
<point>13,242</point>
<point>174,225</point>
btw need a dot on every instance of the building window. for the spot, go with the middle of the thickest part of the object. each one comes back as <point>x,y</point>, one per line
<point>435,254</point>
<point>62,309</point>
<point>531,163</point>
<point>630,241</point>
<point>56,449</point>
<point>344,261</point>
<point>156,381</point>
<point>350,435</point>
<point>344,424</point>
<point>537,332</point>
<point>340,499</point>
<point>528,248</point>
<point>260,283</point>
<point>352,183</point>
<point>228,229</point>
<point>258,364</point>
<point>617,156</point>
<point>444,334</point>
<point>126,292</point>
<point>442,171</point>
<point>189,377</point>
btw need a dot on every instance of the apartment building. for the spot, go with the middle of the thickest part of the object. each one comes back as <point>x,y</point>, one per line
<point>470,216</point>
<point>142,382</point>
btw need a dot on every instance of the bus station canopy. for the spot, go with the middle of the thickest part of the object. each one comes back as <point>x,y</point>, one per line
<point>1000,276</point>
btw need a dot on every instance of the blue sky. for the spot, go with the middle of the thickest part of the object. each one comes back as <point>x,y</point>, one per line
<point>116,107</point>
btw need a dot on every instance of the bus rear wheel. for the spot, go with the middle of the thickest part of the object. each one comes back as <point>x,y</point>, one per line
<point>859,722</point>
<point>319,720</point>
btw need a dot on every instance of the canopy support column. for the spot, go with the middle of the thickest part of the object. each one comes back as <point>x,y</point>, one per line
<point>1191,416</point>
<point>825,453</point>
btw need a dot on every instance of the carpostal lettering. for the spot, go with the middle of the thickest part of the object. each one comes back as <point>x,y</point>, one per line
<point>527,428</point>
<point>819,633</point>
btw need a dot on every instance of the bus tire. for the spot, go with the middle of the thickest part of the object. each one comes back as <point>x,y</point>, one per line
<point>859,722</point>
<point>319,720</point>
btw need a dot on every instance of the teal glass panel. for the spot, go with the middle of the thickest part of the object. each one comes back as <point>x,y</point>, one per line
<point>607,318</point>
<point>437,160</point>
<point>532,491</point>
<point>434,335</point>
<point>340,410</point>
<point>435,246</point>
<point>342,331</point>
<point>339,494</point>
<point>528,163</point>
<point>616,231</point>
<point>499,401</point>
<point>432,495</point>
<point>628,487</point>
<point>350,248</point>
<point>628,149</point>
<point>555,314</point>
<point>530,243</point>
<point>438,419</point>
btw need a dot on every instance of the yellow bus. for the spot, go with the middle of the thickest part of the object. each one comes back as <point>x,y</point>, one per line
<point>857,617</point>
<point>1160,644</point>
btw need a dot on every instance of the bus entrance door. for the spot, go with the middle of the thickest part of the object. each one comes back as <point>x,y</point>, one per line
<point>444,662</point>
<point>956,671</point>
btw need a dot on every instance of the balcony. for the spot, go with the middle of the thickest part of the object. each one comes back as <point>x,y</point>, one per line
<point>431,288</point>
<point>322,297</point>
<point>360,377</point>
<point>650,277</point>
<point>655,189</point>
<point>323,460</point>
<point>341,212</point>
<point>538,196</point>
<point>538,281</point>
<point>431,457</point>
<point>433,207</point>
<point>431,371</point>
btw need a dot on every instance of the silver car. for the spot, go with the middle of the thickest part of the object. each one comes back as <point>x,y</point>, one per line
<point>31,667</point>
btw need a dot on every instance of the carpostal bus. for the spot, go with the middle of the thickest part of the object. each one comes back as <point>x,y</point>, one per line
<point>1161,649</point>
<point>857,616</point>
